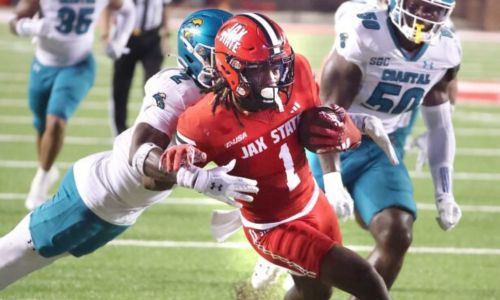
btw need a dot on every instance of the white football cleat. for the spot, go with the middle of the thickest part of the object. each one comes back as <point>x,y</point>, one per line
<point>40,186</point>
<point>265,273</point>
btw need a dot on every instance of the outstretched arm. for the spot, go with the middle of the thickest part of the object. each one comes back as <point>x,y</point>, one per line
<point>161,168</point>
<point>148,144</point>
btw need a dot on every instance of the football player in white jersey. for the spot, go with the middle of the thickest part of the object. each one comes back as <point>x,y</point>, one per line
<point>103,194</point>
<point>63,70</point>
<point>387,63</point>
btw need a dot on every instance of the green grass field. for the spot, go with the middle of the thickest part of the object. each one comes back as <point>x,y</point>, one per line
<point>461,264</point>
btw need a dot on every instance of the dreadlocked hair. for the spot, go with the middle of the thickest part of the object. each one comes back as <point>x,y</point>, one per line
<point>224,96</point>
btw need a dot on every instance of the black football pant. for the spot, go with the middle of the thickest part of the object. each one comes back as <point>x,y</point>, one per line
<point>145,48</point>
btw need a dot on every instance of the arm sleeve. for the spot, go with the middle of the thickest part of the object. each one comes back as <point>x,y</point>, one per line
<point>441,146</point>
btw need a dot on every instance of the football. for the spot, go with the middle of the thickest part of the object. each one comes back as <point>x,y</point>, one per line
<point>325,129</point>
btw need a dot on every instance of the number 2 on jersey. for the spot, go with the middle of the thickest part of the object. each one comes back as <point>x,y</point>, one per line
<point>292,179</point>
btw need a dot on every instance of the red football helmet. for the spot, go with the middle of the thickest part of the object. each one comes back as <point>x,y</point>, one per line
<point>253,55</point>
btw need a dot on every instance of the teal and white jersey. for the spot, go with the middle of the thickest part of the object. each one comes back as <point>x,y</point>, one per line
<point>394,82</point>
<point>107,184</point>
<point>72,30</point>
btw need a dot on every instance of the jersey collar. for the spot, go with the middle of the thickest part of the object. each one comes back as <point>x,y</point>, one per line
<point>407,55</point>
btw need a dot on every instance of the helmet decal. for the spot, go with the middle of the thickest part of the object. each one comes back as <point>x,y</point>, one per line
<point>232,36</point>
<point>255,59</point>
<point>189,34</point>
<point>197,21</point>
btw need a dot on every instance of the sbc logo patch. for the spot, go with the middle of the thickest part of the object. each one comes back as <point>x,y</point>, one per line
<point>160,99</point>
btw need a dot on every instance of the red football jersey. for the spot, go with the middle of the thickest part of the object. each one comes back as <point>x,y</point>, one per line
<point>266,147</point>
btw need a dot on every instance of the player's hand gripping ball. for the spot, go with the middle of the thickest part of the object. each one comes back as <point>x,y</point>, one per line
<point>328,129</point>
<point>175,157</point>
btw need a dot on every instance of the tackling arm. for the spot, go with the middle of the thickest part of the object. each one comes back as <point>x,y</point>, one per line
<point>436,114</point>
<point>146,149</point>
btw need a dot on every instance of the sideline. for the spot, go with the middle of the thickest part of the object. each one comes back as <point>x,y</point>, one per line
<point>200,201</point>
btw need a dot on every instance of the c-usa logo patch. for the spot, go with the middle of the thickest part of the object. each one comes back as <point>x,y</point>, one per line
<point>160,99</point>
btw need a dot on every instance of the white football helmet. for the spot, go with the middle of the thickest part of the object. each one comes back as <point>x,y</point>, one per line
<point>420,20</point>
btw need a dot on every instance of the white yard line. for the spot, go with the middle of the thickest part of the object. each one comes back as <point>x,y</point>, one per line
<point>483,152</point>
<point>102,103</point>
<point>104,141</point>
<point>461,176</point>
<point>211,202</point>
<point>477,117</point>
<point>245,245</point>
<point>31,164</point>
<point>86,104</point>
<point>83,121</point>
<point>16,88</point>
<point>494,209</point>
<point>71,140</point>
<point>96,105</point>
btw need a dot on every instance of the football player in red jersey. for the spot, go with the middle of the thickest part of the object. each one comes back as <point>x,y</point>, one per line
<point>252,117</point>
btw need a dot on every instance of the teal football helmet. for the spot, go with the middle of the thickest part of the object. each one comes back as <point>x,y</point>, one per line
<point>195,42</point>
<point>420,20</point>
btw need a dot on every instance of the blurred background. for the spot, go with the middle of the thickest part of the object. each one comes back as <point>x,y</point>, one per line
<point>471,14</point>
<point>170,254</point>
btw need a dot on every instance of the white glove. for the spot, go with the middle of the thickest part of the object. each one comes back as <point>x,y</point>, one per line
<point>338,196</point>
<point>217,184</point>
<point>420,142</point>
<point>374,128</point>
<point>115,51</point>
<point>448,210</point>
<point>33,27</point>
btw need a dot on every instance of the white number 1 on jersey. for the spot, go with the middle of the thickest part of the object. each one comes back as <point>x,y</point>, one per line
<point>292,179</point>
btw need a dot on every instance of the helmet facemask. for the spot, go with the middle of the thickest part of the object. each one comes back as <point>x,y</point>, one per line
<point>205,57</point>
<point>263,85</point>
<point>420,20</point>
